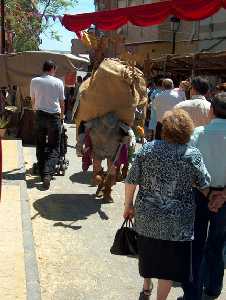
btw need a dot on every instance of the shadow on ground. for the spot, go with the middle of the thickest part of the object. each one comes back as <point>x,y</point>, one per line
<point>15,174</point>
<point>71,226</point>
<point>68,207</point>
<point>82,177</point>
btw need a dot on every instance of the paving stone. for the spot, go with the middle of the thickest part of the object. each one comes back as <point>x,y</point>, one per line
<point>73,234</point>
<point>12,277</point>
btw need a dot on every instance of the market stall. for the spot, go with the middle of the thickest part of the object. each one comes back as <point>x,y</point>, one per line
<point>204,63</point>
<point>18,70</point>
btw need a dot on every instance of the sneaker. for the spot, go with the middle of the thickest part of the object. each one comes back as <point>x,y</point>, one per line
<point>46,181</point>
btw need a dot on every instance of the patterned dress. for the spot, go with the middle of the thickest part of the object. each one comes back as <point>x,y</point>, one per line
<point>165,173</point>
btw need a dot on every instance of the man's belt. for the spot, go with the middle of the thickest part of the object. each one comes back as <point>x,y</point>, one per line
<point>47,114</point>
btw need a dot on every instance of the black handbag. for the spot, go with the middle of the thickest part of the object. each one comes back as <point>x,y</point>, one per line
<point>125,242</point>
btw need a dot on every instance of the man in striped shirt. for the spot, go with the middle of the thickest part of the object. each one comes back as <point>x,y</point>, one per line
<point>197,107</point>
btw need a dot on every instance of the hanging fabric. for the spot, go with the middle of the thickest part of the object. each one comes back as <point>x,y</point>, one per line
<point>144,15</point>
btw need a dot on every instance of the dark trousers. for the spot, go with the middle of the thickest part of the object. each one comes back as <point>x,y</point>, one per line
<point>66,106</point>
<point>208,250</point>
<point>48,128</point>
<point>158,131</point>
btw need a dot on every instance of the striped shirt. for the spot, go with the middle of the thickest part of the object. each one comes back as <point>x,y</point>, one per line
<point>198,108</point>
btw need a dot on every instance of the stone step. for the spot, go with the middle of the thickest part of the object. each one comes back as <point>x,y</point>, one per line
<point>13,161</point>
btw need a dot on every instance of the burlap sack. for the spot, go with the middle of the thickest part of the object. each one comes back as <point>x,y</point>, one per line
<point>106,133</point>
<point>116,87</point>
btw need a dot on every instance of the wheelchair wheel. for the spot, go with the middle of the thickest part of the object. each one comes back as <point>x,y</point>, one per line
<point>62,169</point>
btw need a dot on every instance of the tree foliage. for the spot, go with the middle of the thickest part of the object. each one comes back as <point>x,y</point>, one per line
<point>23,19</point>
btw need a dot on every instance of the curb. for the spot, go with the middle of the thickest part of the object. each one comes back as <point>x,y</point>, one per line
<point>31,266</point>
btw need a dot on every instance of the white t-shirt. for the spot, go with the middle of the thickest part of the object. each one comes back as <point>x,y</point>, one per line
<point>47,92</point>
<point>166,101</point>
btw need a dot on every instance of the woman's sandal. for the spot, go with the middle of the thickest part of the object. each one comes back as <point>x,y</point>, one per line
<point>145,294</point>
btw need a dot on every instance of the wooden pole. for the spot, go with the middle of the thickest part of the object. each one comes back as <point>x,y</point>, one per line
<point>3,42</point>
<point>194,61</point>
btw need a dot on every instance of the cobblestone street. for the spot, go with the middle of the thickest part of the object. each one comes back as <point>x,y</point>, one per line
<point>73,233</point>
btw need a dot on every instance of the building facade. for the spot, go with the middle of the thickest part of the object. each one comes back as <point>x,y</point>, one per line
<point>206,35</point>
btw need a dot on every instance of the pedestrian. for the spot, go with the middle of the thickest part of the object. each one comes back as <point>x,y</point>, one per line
<point>221,87</point>
<point>197,107</point>
<point>183,90</point>
<point>153,116</point>
<point>47,94</point>
<point>77,86</point>
<point>165,171</point>
<point>165,101</point>
<point>210,228</point>
<point>76,97</point>
<point>69,81</point>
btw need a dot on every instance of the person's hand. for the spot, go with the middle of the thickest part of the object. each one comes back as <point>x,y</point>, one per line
<point>217,200</point>
<point>62,117</point>
<point>128,212</point>
<point>79,150</point>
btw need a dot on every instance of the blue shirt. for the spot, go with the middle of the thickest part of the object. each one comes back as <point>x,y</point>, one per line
<point>165,173</point>
<point>211,141</point>
<point>155,93</point>
<point>153,120</point>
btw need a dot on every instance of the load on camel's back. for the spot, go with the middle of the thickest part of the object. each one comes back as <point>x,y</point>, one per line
<point>105,115</point>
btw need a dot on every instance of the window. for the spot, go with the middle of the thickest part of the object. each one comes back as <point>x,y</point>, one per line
<point>134,2</point>
<point>122,3</point>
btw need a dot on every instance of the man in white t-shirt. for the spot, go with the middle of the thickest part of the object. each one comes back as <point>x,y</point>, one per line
<point>47,94</point>
<point>165,101</point>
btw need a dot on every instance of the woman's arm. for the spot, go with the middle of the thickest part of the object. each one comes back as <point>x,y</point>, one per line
<point>129,195</point>
<point>132,180</point>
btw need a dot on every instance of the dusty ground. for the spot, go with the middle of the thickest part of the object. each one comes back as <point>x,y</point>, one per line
<point>73,233</point>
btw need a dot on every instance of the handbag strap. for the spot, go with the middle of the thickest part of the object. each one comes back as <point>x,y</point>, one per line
<point>124,223</point>
<point>127,223</point>
<point>130,223</point>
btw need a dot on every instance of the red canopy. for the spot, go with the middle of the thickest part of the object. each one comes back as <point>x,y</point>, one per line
<point>144,15</point>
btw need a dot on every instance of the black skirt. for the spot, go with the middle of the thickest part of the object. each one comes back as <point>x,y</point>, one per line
<point>167,260</point>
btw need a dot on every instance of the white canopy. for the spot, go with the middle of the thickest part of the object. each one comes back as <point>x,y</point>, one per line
<point>18,69</point>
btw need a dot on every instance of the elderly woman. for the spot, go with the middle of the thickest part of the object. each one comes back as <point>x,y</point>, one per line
<point>164,210</point>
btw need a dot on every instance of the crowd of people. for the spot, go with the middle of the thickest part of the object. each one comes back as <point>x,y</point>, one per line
<point>180,207</point>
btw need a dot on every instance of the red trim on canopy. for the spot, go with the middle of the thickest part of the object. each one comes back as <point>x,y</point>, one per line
<point>144,15</point>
